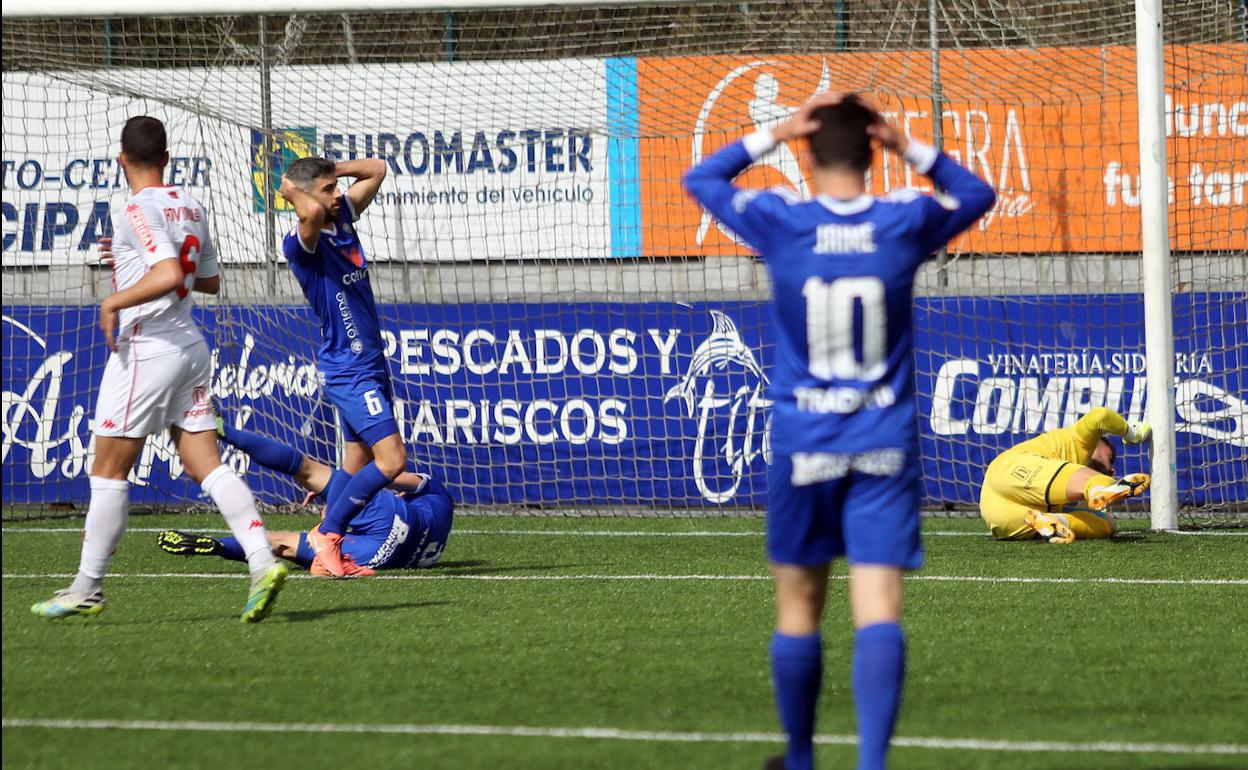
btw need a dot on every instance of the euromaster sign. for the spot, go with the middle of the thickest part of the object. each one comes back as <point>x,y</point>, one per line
<point>575,159</point>
<point>486,160</point>
<point>654,404</point>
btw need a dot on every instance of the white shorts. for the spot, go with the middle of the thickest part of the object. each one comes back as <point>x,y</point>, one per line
<point>140,397</point>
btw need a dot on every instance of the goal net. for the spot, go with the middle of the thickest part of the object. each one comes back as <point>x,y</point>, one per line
<point>567,331</point>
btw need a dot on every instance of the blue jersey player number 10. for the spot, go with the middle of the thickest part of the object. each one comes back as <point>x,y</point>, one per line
<point>831,308</point>
<point>844,478</point>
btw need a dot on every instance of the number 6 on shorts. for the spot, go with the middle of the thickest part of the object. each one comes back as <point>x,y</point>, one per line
<point>372,403</point>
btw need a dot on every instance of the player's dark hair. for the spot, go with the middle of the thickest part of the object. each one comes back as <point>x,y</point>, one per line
<point>842,140</point>
<point>144,142</point>
<point>304,171</point>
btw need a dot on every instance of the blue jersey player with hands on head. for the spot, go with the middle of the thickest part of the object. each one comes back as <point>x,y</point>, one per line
<point>844,479</point>
<point>325,254</point>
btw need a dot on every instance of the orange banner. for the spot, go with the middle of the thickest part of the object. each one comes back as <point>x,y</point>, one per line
<point>1054,130</point>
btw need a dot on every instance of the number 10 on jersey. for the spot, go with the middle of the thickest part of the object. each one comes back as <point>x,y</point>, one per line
<point>837,347</point>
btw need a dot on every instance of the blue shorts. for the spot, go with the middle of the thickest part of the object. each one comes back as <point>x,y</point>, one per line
<point>863,505</point>
<point>365,405</point>
<point>393,532</point>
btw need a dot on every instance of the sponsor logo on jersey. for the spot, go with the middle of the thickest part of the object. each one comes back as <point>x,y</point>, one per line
<point>138,222</point>
<point>814,467</point>
<point>844,400</point>
<point>199,395</point>
<point>355,276</point>
<point>724,389</point>
<point>255,524</point>
<point>399,531</point>
<point>109,424</point>
<point>348,322</point>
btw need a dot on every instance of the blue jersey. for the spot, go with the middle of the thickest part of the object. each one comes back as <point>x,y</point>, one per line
<point>842,275</point>
<point>402,530</point>
<point>334,278</point>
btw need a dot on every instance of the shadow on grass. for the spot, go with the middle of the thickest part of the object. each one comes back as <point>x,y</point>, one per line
<point>1134,538</point>
<point>301,616</point>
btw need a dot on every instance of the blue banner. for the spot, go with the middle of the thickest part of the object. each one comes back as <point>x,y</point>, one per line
<point>649,404</point>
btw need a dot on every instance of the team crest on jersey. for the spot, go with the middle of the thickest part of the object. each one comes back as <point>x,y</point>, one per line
<point>725,391</point>
<point>354,254</point>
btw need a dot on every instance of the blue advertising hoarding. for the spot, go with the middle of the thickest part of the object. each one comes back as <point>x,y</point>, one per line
<point>640,404</point>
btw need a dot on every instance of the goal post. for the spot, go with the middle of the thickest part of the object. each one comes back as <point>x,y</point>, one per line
<point>567,331</point>
<point>1155,258</point>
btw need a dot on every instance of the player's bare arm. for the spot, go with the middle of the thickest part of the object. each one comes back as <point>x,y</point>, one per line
<point>407,482</point>
<point>312,214</point>
<point>368,174</point>
<point>210,285</point>
<point>163,278</point>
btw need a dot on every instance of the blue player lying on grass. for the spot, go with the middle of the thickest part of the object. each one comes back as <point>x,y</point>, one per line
<point>407,526</point>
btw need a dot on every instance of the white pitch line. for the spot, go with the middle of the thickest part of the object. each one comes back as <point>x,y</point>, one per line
<point>609,733</point>
<point>660,577</point>
<point>593,532</point>
<point>511,532</point>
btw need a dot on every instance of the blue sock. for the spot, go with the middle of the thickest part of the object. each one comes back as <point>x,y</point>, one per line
<point>270,453</point>
<point>796,674</point>
<point>879,669</point>
<point>362,487</point>
<point>233,551</point>
<point>304,553</point>
<point>338,479</point>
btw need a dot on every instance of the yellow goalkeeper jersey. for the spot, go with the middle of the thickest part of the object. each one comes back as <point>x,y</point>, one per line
<point>1076,443</point>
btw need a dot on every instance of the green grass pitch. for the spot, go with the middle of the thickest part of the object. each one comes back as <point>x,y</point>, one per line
<point>1115,647</point>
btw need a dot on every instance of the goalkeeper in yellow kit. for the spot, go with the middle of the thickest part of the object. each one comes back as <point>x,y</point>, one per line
<point>1059,484</point>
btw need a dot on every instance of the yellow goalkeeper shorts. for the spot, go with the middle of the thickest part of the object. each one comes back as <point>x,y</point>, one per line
<point>1017,482</point>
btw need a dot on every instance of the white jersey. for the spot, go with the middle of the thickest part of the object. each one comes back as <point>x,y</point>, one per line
<point>161,223</point>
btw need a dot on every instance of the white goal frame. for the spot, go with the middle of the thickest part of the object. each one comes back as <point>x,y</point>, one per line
<point>1154,208</point>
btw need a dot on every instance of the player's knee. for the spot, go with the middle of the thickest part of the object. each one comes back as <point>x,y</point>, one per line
<point>200,470</point>
<point>391,460</point>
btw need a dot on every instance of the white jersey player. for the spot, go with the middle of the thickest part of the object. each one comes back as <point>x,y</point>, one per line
<point>160,369</point>
<point>158,376</point>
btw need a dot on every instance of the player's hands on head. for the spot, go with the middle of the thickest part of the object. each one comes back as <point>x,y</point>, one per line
<point>286,187</point>
<point>105,250</point>
<point>1138,431</point>
<point>801,123</point>
<point>887,134</point>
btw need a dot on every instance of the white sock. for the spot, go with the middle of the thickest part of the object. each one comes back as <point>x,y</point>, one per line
<point>107,516</point>
<point>238,506</point>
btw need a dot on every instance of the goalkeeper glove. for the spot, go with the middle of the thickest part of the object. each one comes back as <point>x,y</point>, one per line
<point>1137,432</point>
